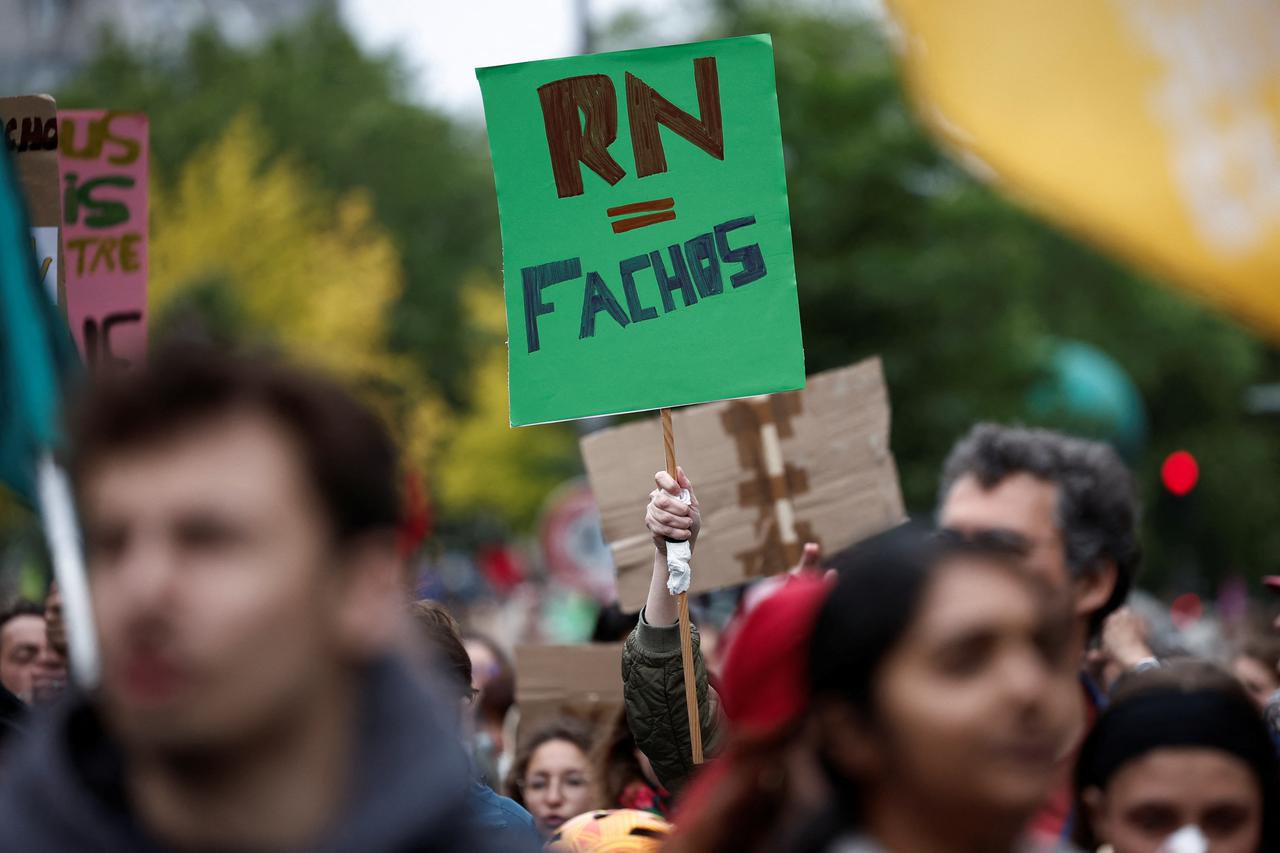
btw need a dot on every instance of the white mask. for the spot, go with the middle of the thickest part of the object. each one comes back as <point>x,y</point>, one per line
<point>1189,839</point>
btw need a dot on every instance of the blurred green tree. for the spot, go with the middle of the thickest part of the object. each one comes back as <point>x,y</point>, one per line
<point>258,252</point>
<point>253,253</point>
<point>899,251</point>
<point>486,468</point>
<point>347,119</point>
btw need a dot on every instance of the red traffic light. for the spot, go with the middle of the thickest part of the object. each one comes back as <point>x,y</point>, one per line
<point>1179,473</point>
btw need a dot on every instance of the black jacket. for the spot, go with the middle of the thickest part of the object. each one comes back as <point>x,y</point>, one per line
<point>13,716</point>
<point>63,789</point>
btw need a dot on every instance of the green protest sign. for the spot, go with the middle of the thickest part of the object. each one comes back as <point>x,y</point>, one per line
<point>646,239</point>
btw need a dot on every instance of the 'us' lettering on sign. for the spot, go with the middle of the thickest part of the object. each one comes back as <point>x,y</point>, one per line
<point>644,218</point>
<point>103,162</point>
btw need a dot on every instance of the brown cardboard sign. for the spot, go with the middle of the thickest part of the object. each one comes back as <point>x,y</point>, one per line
<point>583,681</point>
<point>770,473</point>
<point>30,127</point>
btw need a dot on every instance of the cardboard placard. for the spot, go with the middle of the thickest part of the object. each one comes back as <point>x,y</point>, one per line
<point>582,681</point>
<point>770,473</point>
<point>644,220</point>
<point>103,158</point>
<point>30,125</point>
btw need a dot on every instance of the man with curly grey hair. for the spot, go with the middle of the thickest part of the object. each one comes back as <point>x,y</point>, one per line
<point>1070,504</point>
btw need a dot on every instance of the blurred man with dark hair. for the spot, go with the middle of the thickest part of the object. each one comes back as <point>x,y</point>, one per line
<point>1071,500</point>
<point>22,641</point>
<point>1070,504</point>
<point>446,656</point>
<point>240,524</point>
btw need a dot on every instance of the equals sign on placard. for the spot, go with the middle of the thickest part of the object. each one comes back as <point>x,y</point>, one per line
<point>658,210</point>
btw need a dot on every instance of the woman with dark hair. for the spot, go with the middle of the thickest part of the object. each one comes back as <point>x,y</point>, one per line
<point>552,774</point>
<point>495,683</point>
<point>1180,761</point>
<point>440,654</point>
<point>626,777</point>
<point>940,694</point>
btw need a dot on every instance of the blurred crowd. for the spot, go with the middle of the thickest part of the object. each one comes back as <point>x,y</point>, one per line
<point>984,680</point>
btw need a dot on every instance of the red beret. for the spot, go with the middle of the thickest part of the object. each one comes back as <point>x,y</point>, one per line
<point>764,680</point>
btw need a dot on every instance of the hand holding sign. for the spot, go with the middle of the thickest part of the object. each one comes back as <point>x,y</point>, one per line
<point>668,517</point>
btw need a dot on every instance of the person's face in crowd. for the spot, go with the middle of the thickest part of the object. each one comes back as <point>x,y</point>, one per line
<point>50,678</point>
<point>973,705</point>
<point>22,641</point>
<point>484,666</point>
<point>1155,795</point>
<point>1259,680</point>
<point>223,603</point>
<point>1026,507</point>
<point>557,784</point>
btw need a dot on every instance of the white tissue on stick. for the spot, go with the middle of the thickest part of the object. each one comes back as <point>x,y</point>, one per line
<point>679,574</point>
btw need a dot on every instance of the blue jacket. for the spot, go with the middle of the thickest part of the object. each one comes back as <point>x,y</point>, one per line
<point>496,813</point>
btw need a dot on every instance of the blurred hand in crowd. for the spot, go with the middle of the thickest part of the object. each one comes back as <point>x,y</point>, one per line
<point>810,560</point>
<point>1125,638</point>
<point>56,627</point>
<point>50,677</point>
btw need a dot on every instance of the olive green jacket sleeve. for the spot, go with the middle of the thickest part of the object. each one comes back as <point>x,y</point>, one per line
<point>653,689</point>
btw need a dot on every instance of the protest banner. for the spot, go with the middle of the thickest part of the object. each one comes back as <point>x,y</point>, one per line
<point>771,473</point>
<point>1150,127</point>
<point>568,681</point>
<point>30,125</point>
<point>696,222</point>
<point>103,158</point>
<point>644,221</point>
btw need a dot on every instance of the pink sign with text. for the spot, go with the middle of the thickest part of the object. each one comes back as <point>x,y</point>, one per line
<point>102,157</point>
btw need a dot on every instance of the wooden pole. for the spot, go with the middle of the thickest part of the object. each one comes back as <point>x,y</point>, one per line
<point>686,634</point>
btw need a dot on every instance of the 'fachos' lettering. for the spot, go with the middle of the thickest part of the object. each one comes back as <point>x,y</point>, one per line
<point>678,276</point>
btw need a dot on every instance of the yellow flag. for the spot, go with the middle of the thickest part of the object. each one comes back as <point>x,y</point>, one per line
<point>1151,127</point>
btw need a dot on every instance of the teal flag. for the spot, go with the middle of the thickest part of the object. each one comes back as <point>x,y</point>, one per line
<point>36,351</point>
<point>645,233</point>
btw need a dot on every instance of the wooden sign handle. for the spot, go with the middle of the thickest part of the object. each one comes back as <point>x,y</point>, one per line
<point>686,634</point>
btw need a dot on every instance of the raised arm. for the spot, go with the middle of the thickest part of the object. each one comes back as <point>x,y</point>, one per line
<point>652,677</point>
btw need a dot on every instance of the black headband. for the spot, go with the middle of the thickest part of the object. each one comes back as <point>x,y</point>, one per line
<point>1173,718</point>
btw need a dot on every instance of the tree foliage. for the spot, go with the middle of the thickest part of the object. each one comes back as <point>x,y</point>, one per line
<point>263,250</point>
<point>486,467</point>
<point>899,253</point>
<point>258,252</point>
<point>343,115</point>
